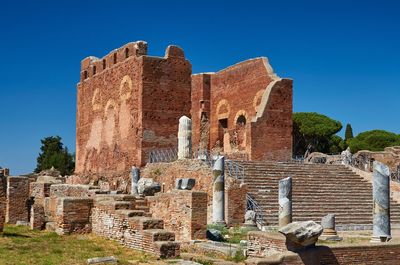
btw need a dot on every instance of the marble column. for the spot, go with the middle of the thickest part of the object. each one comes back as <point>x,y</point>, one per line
<point>285,201</point>
<point>185,138</point>
<point>135,179</point>
<point>219,191</point>
<point>381,203</point>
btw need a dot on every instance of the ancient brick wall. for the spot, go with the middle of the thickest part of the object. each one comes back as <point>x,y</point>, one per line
<point>119,221</point>
<point>230,100</point>
<point>165,98</point>
<point>201,85</point>
<point>235,193</point>
<point>183,211</point>
<point>270,248</point>
<point>235,201</point>
<point>3,201</point>
<point>167,173</point>
<point>261,244</point>
<point>129,103</point>
<point>73,215</point>
<point>271,129</point>
<point>37,216</point>
<point>361,254</point>
<point>18,200</point>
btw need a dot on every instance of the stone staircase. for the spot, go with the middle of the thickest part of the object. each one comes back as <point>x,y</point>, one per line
<point>318,189</point>
<point>127,219</point>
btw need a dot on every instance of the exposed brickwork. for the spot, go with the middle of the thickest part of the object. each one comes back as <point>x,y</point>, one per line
<point>3,201</point>
<point>39,191</point>
<point>249,110</point>
<point>66,190</point>
<point>18,200</point>
<point>167,173</point>
<point>73,215</point>
<point>262,244</point>
<point>129,107</point>
<point>183,211</point>
<point>37,217</point>
<point>235,201</point>
<point>116,218</point>
<point>366,254</point>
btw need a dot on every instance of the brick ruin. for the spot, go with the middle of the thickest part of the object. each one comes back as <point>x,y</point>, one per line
<point>129,103</point>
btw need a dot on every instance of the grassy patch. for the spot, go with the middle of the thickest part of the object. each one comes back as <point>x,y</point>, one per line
<point>233,235</point>
<point>20,246</point>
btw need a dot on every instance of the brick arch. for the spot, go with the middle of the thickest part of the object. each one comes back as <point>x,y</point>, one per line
<point>223,109</point>
<point>241,113</point>
<point>257,99</point>
<point>125,88</point>
<point>96,100</point>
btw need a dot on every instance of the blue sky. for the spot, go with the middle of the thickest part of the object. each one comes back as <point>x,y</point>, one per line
<point>344,57</point>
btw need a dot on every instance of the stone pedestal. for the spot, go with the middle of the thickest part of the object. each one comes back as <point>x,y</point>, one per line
<point>185,138</point>
<point>218,215</point>
<point>285,201</point>
<point>328,224</point>
<point>381,203</point>
<point>135,179</point>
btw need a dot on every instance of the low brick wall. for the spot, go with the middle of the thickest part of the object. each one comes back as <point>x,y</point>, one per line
<point>18,200</point>
<point>235,198</point>
<point>73,215</point>
<point>68,190</point>
<point>235,193</point>
<point>269,248</point>
<point>37,218</point>
<point>3,201</point>
<point>39,191</point>
<point>262,244</point>
<point>183,211</point>
<point>385,254</point>
<point>118,220</point>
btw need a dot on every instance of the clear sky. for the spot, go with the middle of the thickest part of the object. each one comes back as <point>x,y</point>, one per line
<point>344,56</point>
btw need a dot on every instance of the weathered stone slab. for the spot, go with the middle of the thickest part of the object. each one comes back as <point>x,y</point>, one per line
<point>301,234</point>
<point>103,260</point>
<point>148,187</point>
<point>185,184</point>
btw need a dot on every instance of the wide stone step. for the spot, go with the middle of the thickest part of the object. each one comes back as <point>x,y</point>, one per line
<point>159,235</point>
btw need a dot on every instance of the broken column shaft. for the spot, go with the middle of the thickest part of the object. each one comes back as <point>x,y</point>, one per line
<point>219,191</point>
<point>285,201</point>
<point>381,207</point>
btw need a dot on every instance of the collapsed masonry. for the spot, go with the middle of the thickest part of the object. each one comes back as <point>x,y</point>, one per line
<point>137,222</point>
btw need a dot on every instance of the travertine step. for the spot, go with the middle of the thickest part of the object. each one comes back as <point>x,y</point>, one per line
<point>318,189</point>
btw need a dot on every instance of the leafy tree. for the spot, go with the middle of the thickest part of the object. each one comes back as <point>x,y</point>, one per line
<point>375,140</point>
<point>53,154</point>
<point>349,132</point>
<point>317,131</point>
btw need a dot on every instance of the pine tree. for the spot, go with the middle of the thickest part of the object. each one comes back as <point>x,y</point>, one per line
<point>349,132</point>
<point>53,154</point>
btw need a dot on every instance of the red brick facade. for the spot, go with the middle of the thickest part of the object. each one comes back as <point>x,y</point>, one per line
<point>129,103</point>
<point>244,109</point>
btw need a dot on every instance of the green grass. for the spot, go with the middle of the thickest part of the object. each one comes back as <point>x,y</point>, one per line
<point>233,235</point>
<point>20,246</point>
